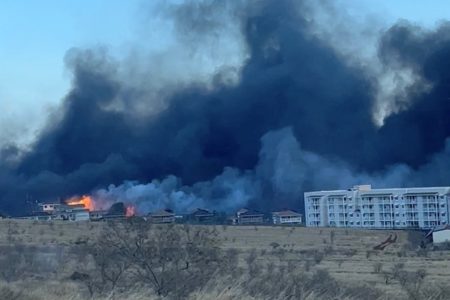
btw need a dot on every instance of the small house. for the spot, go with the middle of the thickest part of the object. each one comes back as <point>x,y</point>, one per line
<point>247,216</point>
<point>77,213</point>
<point>162,217</point>
<point>202,216</point>
<point>71,213</point>
<point>288,217</point>
<point>441,234</point>
<point>97,215</point>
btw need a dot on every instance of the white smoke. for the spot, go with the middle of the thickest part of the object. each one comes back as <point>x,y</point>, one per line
<point>226,192</point>
<point>150,196</point>
<point>353,32</point>
<point>182,44</point>
<point>173,45</point>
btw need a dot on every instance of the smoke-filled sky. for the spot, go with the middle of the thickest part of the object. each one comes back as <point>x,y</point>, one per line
<point>36,35</point>
<point>220,104</point>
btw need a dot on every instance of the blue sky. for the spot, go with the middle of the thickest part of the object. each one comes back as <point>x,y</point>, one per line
<point>35,35</point>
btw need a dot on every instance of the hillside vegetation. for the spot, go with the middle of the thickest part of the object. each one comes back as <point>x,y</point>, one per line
<point>137,260</point>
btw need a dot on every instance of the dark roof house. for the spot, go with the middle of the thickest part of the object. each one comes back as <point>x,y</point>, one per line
<point>162,216</point>
<point>248,216</point>
<point>202,216</point>
<point>286,217</point>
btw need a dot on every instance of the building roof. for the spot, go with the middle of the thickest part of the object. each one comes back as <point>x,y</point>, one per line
<point>442,190</point>
<point>249,213</point>
<point>365,194</point>
<point>286,213</point>
<point>49,203</point>
<point>433,192</point>
<point>163,213</point>
<point>72,208</point>
<point>202,212</point>
<point>242,210</point>
<point>441,228</point>
<point>438,228</point>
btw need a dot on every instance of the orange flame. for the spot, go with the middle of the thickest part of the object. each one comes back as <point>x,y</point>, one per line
<point>131,211</point>
<point>86,201</point>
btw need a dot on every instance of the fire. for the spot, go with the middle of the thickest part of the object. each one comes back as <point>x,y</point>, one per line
<point>86,201</point>
<point>97,204</point>
<point>131,211</point>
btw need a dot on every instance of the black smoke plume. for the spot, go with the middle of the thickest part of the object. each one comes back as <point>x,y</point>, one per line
<point>300,117</point>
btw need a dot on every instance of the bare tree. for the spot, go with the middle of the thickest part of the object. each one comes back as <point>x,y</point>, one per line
<point>110,262</point>
<point>171,259</point>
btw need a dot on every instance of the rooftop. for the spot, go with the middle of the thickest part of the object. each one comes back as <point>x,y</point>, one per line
<point>249,212</point>
<point>163,213</point>
<point>367,190</point>
<point>286,213</point>
<point>201,212</point>
<point>441,228</point>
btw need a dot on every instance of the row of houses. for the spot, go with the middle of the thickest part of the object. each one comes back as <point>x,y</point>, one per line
<point>248,216</point>
<point>73,212</point>
<point>244,216</point>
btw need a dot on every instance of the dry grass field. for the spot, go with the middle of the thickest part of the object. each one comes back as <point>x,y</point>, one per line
<point>346,255</point>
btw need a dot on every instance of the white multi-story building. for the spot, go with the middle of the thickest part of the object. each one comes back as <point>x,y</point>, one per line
<point>364,207</point>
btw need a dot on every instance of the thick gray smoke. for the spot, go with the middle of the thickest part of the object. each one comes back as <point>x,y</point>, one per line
<point>288,114</point>
<point>284,171</point>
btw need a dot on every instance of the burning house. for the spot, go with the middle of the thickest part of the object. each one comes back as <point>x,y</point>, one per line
<point>86,201</point>
<point>59,211</point>
<point>75,213</point>
<point>80,209</point>
<point>67,212</point>
<point>117,211</point>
